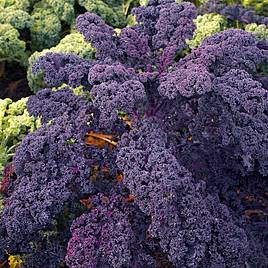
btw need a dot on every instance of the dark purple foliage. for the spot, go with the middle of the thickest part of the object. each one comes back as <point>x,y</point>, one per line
<point>159,190</point>
<point>59,68</point>
<point>50,105</point>
<point>42,104</point>
<point>194,75</point>
<point>44,180</point>
<point>226,50</point>
<point>163,27</point>
<point>165,23</point>
<point>187,81</point>
<point>237,119</point>
<point>134,46</point>
<point>231,108</point>
<point>53,168</point>
<point>186,222</point>
<point>115,89</point>
<point>98,33</point>
<point>105,236</point>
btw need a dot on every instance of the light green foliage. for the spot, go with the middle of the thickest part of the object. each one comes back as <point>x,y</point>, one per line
<point>19,19</point>
<point>1,204</point>
<point>64,10</point>
<point>73,43</point>
<point>113,12</point>
<point>131,20</point>
<point>79,91</point>
<point>35,81</point>
<point>13,17</point>
<point>64,86</point>
<point>11,47</point>
<point>261,6</point>
<point>45,30</point>
<point>16,4</point>
<point>197,3</point>
<point>259,30</point>
<point>143,2</point>
<point>206,25</point>
<point>228,2</point>
<point>15,122</point>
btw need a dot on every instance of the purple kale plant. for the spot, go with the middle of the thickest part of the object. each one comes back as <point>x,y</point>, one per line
<point>151,155</point>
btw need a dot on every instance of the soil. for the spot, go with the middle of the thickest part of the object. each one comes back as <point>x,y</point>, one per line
<point>13,81</point>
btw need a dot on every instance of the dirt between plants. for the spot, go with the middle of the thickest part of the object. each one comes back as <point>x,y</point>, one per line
<point>13,81</point>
